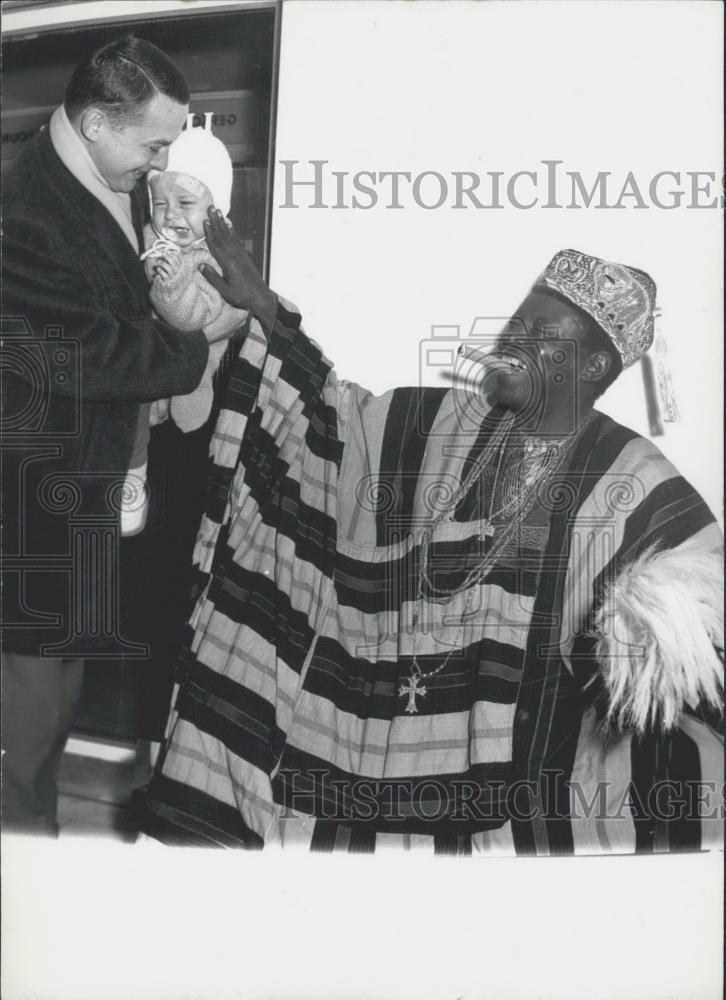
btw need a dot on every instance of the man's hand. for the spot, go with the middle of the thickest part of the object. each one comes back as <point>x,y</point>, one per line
<point>240,283</point>
<point>158,412</point>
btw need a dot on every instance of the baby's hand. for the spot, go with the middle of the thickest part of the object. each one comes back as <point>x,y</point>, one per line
<point>167,266</point>
<point>150,268</point>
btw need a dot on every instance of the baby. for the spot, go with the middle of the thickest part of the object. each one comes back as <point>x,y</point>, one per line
<point>198,176</point>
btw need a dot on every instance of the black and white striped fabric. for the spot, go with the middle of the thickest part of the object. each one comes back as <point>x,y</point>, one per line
<point>289,722</point>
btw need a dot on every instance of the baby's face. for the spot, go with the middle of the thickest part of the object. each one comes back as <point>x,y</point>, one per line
<point>179,204</point>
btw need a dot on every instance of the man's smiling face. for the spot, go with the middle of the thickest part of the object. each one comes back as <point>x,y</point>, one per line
<point>124,153</point>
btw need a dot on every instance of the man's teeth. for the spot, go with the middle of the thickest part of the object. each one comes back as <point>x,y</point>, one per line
<point>515,363</point>
<point>495,359</point>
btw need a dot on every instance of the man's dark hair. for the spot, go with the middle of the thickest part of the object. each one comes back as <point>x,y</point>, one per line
<point>121,79</point>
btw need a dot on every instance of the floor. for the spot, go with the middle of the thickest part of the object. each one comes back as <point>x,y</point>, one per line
<point>101,785</point>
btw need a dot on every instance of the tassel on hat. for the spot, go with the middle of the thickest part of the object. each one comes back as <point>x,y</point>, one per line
<point>660,396</point>
<point>665,381</point>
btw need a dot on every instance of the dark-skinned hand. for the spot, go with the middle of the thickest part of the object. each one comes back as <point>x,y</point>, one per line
<point>240,283</point>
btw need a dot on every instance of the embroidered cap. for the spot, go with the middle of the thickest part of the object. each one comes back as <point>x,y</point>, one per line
<point>619,298</point>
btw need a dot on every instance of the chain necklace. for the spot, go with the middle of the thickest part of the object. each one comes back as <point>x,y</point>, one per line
<point>541,460</point>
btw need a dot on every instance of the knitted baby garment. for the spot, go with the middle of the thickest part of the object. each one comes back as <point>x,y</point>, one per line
<point>188,302</point>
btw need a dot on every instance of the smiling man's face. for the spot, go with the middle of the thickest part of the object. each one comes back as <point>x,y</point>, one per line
<point>124,154</point>
<point>537,355</point>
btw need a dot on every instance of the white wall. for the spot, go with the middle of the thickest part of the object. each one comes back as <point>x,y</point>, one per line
<point>448,86</point>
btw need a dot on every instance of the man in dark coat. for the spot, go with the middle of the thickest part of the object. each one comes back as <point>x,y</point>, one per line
<point>83,358</point>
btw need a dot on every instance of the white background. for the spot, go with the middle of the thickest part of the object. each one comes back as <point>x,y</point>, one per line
<point>429,86</point>
<point>422,86</point>
<point>134,923</point>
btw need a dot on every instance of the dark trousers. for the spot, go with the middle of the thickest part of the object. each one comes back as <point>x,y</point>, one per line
<point>39,699</point>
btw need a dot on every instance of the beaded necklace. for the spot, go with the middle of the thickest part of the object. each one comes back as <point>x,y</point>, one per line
<point>526,475</point>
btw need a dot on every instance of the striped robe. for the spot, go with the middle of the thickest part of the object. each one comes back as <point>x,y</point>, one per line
<point>289,721</point>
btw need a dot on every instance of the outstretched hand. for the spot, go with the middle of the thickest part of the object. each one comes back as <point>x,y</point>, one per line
<point>240,283</point>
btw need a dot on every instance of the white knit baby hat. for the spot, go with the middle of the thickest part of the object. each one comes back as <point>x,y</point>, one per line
<point>202,156</point>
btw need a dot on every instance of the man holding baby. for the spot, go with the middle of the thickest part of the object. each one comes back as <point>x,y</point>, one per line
<point>75,205</point>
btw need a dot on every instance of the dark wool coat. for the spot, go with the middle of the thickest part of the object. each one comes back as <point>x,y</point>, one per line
<point>81,352</point>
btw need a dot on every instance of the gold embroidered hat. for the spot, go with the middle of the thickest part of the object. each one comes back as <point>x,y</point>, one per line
<point>619,298</point>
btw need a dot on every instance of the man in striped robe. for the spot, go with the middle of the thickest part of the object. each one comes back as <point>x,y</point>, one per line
<point>472,621</point>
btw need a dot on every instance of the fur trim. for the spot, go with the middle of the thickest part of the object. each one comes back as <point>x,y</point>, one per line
<point>659,635</point>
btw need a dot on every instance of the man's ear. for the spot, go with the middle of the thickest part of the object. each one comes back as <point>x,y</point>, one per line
<point>91,124</point>
<point>597,366</point>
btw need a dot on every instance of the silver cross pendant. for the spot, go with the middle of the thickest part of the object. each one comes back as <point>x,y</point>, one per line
<point>413,690</point>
